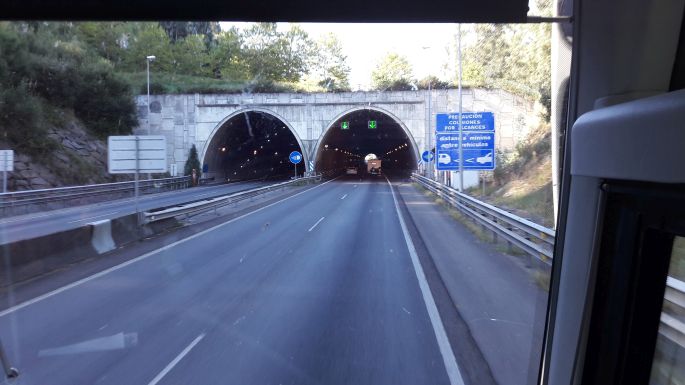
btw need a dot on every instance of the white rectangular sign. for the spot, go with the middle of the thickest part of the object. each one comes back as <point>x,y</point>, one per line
<point>6,160</point>
<point>122,157</point>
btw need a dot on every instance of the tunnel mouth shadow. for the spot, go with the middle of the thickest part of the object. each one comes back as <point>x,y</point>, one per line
<point>356,134</point>
<point>252,145</point>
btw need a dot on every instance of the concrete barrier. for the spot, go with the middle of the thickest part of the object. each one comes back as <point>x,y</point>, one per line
<point>30,258</point>
<point>101,236</point>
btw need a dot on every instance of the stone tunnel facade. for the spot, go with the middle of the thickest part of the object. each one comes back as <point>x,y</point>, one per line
<point>189,119</point>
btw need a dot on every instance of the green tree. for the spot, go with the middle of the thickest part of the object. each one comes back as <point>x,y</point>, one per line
<point>393,72</point>
<point>331,66</point>
<point>179,30</point>
<point>513,57</point>
<point>190,56</point>
<point>193,163</point>
<point>105,38</point>
<point>226,57</point>
<point>144,40</point>
<point>434,82</point>
<point>272,56</point>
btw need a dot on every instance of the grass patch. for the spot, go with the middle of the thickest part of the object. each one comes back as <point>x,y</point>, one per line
<point>167,83</point>
<point>536,203</point>
<point>677,267</point>
<point>542,278</point>
<point>458,216</point>
<point>513,250</point>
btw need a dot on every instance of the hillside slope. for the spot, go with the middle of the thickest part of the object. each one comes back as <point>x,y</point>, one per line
<point>522,183</point>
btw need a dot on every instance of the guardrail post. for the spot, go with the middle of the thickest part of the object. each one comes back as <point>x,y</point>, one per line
<point>495,238</point>
<point>510,246</point>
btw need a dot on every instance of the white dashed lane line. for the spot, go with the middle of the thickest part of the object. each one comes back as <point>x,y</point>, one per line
<point>315,224</point>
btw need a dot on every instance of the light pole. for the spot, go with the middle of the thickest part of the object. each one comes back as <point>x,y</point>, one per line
<point>148,60</point>
<point>429,139</point>
<point>461,154</point>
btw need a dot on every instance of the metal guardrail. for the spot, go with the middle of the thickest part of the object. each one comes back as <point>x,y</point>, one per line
<point>534,239</point>
<point>32,197</point>
<point>217,202</point>
<point>538,241</point>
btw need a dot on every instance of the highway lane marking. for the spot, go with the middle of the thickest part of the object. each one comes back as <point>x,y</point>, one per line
<point>146,255</point>
<point>317,222</point>
<point>448,358</point>
<point>343,197</point>
<point>93,217</point>
<point>176,360</point>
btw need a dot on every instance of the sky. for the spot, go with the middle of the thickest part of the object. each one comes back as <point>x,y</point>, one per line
<point>424,45</point>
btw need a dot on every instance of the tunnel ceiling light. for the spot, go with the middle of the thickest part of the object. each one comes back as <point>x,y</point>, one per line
<point>223,149</point>
<point>255,153</point>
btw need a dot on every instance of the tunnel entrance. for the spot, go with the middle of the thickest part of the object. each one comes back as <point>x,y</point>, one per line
<point>367,131</point>
<point>251,145</point>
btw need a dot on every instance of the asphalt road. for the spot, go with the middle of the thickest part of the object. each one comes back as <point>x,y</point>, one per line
<point>33,225</point>
<point>320,288</point>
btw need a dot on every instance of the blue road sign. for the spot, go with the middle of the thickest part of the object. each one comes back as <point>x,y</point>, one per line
<point>295,157</point>
<point>427,156</point>
<point>470,121</point>
<point>478,149</point>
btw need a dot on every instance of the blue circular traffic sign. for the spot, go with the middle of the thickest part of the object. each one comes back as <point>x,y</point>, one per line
<point>427,156</point>
<point>295,157</point>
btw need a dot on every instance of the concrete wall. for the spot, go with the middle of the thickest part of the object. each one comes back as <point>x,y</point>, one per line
<point>193,119</point>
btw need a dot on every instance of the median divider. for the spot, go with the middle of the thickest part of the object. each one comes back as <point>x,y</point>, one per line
<point>26,259</point>
<point>218,202</point>
<point>30,258</point>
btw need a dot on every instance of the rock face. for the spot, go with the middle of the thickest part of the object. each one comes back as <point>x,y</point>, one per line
<point>79,158</point>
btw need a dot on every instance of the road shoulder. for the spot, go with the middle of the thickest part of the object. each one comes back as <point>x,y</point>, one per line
<point>492,309</point>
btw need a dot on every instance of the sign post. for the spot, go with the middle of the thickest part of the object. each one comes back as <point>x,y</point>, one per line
<point>134,154</point>
<point>295,158</point>
<point>7,159</point>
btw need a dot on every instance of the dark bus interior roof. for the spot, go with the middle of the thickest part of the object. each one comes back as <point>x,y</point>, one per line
<point>444,11</point>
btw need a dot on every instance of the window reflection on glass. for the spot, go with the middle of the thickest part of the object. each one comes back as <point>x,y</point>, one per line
<point>668,367</point>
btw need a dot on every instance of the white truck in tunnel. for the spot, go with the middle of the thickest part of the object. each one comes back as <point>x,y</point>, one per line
<point>373,166</point>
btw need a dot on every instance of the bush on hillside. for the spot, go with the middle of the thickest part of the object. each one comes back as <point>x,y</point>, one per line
<point>39,72</point>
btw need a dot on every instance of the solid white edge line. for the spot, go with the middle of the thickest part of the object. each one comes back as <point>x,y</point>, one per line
<point>176,360</point>
<point>146,255</point>
<point>317,222</point>
<point>448,358</point>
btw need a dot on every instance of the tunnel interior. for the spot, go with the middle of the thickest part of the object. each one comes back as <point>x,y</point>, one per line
<point>251,145</point>
<point>360,133</point>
